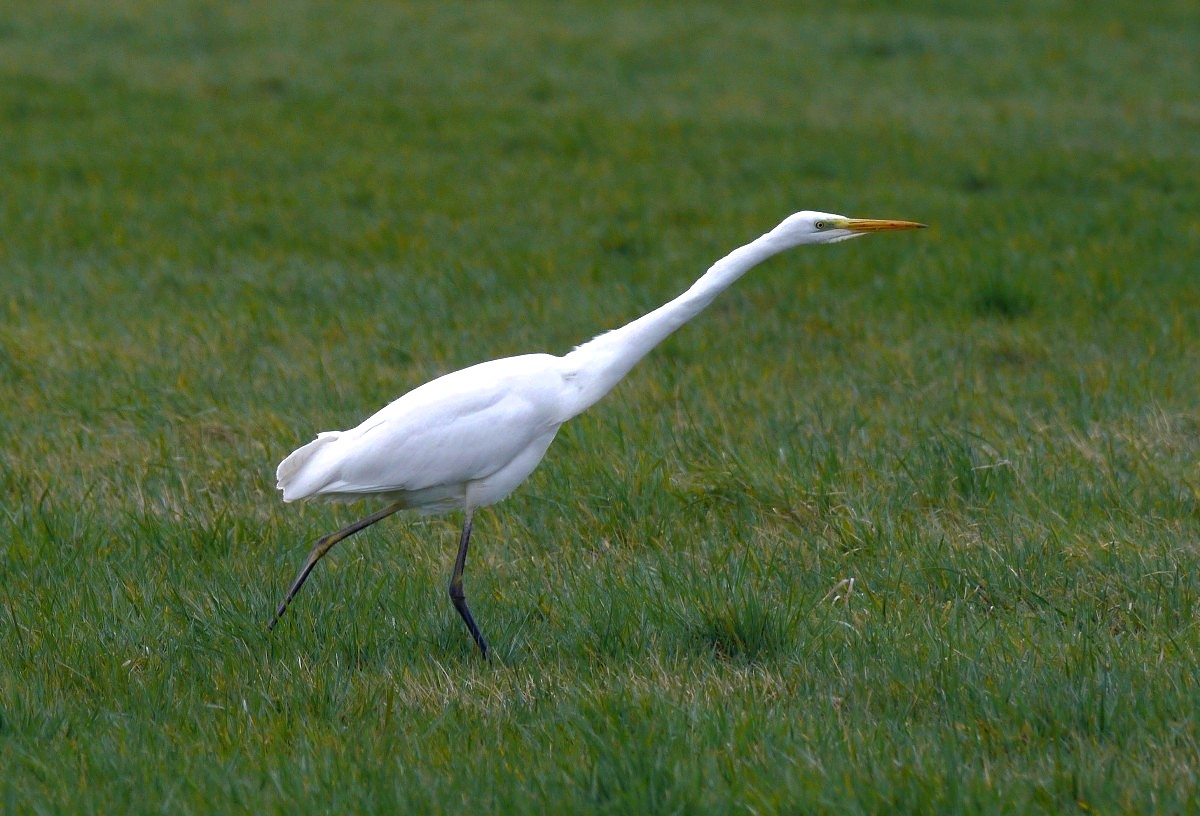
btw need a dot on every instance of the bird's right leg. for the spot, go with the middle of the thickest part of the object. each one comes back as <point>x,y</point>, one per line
<point>324,545</point>
<point>457,596</point>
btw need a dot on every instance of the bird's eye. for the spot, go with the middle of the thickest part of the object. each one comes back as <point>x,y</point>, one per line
<point>822,225</point>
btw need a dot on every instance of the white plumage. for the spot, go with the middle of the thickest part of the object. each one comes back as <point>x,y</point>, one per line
<point>464,440</point>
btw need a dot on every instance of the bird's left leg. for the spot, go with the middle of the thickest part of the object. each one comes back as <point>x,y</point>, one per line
<point>324,545</point>
<point>457,596</point>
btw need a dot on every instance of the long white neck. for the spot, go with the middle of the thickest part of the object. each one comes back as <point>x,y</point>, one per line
<point>599,364</point>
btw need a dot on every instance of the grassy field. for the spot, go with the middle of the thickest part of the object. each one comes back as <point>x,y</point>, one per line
<point>910,524</point>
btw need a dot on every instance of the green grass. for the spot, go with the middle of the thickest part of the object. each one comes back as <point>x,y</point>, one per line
<point>906,525</point>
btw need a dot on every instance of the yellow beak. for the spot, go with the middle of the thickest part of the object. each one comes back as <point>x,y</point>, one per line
<point>877,225</point>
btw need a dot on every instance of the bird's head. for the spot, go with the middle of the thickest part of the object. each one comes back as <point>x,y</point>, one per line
<point>809,227</point>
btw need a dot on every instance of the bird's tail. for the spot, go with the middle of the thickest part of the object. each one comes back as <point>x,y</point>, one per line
<point>305,471</point>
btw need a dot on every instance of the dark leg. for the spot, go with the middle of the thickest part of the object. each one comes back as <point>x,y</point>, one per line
<point>456,588</point>
<point>323,546</point>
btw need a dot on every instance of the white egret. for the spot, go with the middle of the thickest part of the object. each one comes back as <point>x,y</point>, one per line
<point>467,439</point>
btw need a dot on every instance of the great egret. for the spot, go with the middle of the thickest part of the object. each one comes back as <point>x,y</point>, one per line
<point>467,439</point>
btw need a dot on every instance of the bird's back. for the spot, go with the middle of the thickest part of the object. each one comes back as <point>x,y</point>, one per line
<point>467,438</point>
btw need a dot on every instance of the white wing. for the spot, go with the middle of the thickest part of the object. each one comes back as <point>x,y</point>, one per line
<point>490,421</point>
